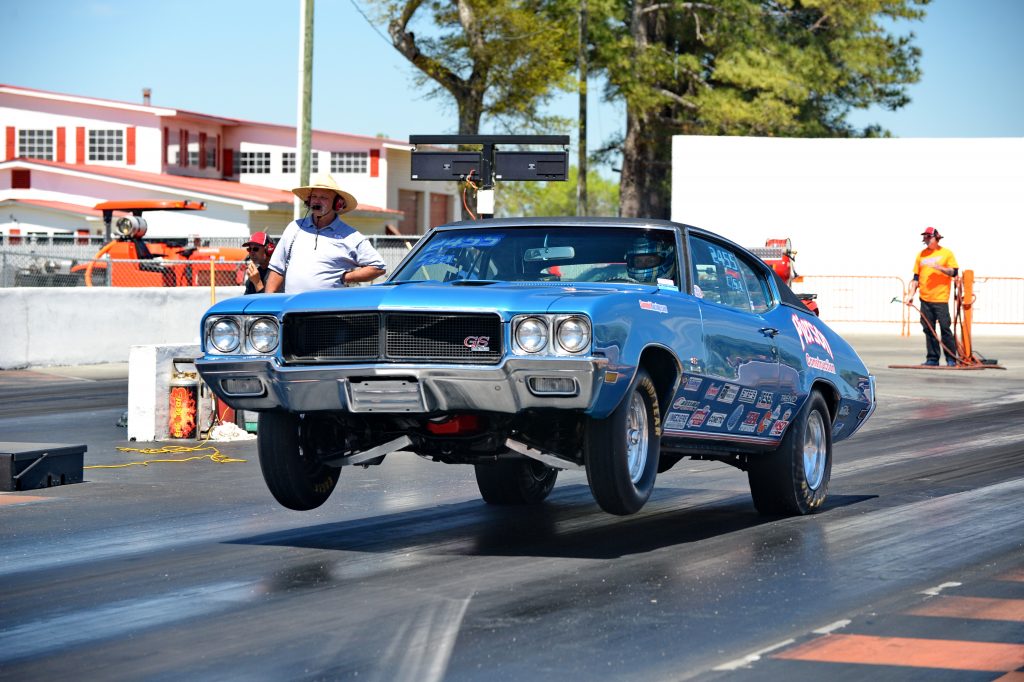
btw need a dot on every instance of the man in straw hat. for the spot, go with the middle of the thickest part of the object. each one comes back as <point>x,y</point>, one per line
<point>319,251</point>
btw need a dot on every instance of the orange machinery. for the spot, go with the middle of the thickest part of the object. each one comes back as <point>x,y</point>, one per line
<point>157,263</point>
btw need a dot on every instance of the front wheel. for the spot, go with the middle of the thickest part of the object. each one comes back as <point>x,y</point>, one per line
<point>293,478</point>
<point>622,450</point>
<point>793,480</point>
<point>514,481</point>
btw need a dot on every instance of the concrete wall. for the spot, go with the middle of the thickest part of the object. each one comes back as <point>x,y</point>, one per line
<point>72,326</point>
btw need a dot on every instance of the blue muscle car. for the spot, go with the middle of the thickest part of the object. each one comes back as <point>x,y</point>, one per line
<point>524,346</point>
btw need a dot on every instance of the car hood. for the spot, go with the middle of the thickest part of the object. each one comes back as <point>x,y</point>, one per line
<point>516,297</point>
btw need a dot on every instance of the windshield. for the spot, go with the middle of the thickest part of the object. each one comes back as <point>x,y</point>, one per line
<point>546,254</point>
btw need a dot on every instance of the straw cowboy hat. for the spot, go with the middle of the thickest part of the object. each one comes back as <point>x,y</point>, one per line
<point>325,181</point>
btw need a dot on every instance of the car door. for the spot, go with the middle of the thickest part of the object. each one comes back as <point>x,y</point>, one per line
<point>741,359</point>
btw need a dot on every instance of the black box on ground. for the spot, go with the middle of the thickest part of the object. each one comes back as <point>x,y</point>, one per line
<point>28,466</point>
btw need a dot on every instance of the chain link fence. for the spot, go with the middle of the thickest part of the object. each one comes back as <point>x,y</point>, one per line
<point>71,262</point>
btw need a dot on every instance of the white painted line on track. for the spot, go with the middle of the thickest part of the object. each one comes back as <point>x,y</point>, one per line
<point>934,591</point>
<point>752,658</point>
<point>839,624</point>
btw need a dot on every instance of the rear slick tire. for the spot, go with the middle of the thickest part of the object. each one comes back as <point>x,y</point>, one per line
<point>793,480</point>
<point>294,481</point>
<point>514,481</point>
<point>622,450</point>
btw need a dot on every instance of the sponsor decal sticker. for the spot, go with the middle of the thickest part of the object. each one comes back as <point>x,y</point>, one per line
<point>748,395</point>
<point>693,384</point>
<point>716,419</point>
<point>676,421</point>
<point>764,401</point>
<point>788,398</point>
<point>778,427</point>
<point>823,364</point>
<point>713,390</point>
<point>844,411</point>
<point>734,418</point>
<point>728,393</point>
<point>654,307</point>
<point>699,416</point>
<point>684,404</point>
<point>787,415</point>
<point>767,420</point>
<point>837,428</point>
<point>750,421</point>
<point>810,335</point>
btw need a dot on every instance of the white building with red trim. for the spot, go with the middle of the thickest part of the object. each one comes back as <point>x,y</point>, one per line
<point>62,154</point>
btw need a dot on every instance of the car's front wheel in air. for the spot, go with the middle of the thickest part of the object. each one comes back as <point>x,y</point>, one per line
<point>294,479</point>
<point>622,450</point>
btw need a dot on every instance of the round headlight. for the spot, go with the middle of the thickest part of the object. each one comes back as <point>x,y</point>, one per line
<point>532,335</point>
<point>263,335</point>
<point>574,334</point>
<point>224,335</point>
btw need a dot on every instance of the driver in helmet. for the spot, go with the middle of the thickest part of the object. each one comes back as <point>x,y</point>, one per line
<point>649,261</point>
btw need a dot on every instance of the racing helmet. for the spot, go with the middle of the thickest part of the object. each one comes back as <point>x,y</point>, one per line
<point>648,260</point>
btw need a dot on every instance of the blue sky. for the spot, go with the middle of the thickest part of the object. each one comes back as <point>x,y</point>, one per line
<point>239,59</point>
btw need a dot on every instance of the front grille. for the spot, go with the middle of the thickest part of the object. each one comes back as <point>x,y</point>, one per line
<point>392,337</point>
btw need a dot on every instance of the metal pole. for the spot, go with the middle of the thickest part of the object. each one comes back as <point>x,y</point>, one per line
<point>303,133</point>
<point>581,178</point>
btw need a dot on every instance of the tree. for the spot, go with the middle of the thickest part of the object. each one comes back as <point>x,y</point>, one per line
<point>556,198</point>
<point>501,59</point>
<point>743,67</point>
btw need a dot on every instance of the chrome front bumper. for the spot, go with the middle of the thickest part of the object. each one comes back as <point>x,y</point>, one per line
<point>265,384</point>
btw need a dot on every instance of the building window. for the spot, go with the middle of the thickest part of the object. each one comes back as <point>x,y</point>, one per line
<point>288,163</point>
<point>211,155</point>
<point>35,144</point>
<point>106,145</point>
<point>349,162</point>
<point>254,162</point>
<point>193,157</point>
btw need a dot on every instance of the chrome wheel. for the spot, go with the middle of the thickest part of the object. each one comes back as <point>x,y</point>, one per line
<point>815,451</point>
<point>636,437</point>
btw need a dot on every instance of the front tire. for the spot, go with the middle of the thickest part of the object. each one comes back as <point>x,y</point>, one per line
<point>622,450</point>
<point>293,479</point>
<point>793,480</point>
<point>514,481</point>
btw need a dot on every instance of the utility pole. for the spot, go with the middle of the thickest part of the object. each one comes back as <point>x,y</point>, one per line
<point>581,179</point>
<point>303,130</point>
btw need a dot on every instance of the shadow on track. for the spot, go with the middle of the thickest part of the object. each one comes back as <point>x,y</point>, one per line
<point>565,526</point>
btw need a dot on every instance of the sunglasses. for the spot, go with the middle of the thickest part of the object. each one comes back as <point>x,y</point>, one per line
<point>250,249</point>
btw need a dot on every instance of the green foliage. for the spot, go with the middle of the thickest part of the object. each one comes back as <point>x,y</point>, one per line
<point>500,59</point>
<point>514,199</point>
<point>745,67</point>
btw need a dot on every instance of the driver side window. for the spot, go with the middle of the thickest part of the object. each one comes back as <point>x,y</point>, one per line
<point>721,276</point>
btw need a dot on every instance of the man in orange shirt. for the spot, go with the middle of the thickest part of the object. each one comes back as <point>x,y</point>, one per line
<point>934,270</point>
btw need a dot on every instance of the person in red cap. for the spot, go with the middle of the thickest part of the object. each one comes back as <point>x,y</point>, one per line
<point>934,270</point>
<point>260,246</point>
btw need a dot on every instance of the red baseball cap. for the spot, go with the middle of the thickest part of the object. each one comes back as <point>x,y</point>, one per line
<point>931,232</point>
<point>262,239</point>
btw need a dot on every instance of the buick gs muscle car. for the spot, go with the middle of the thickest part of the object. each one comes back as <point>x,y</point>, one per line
<point>526,346</point>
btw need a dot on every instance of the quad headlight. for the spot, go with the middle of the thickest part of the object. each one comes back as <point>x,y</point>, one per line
<point>242,335</point>
<point>264,334</point>
<point>225,334</point>
<point>551,334</point>
<point>532,334</point>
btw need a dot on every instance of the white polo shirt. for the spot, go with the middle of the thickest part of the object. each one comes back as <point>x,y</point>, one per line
<point>309,258</point>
